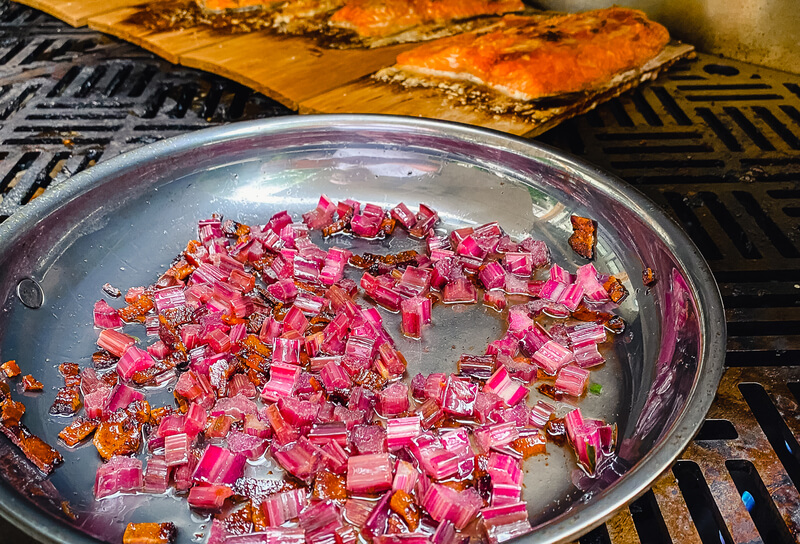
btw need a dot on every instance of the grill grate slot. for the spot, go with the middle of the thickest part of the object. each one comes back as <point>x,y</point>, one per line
<point>596,536</point>
<point>780,437</point>
<point>777,126</point>
<point>770,228</point>
<point>722,132</point>
<point>705,514</point>
<point>20,167</point>
<point>729,224</point>
<point>692,225</point>
<point>749,128</point>
<point>89,84</point>
<point>648,520</point>
<point>768,521</point>
<point>717,429</point>
<point>45,177</point>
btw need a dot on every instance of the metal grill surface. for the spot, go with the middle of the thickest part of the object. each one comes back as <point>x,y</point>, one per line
<point>715,142</point>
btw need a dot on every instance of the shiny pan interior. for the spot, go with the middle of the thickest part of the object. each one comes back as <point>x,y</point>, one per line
<point>123,220</point>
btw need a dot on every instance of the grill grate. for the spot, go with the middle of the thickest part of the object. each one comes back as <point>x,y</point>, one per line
<point>715,142</point>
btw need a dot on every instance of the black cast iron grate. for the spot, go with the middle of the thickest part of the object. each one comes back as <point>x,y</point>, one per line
<point>715,142</point>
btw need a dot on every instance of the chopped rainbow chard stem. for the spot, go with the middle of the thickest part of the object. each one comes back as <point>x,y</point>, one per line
<point>258,330</point>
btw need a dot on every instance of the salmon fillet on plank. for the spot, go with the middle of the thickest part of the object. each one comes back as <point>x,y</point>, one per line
<point>377,18</point>
<point>530,57</point>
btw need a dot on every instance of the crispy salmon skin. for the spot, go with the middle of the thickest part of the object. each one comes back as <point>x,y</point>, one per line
<point>377,18</point>
<point>527,58</point>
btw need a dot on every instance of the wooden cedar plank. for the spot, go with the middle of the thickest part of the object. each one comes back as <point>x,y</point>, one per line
<point>77,12</point>
<point>369,96</point>
<point>169,44</point>
<point>288,69</point>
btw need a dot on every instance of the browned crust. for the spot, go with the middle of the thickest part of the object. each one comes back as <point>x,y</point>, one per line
<point>545,113</point>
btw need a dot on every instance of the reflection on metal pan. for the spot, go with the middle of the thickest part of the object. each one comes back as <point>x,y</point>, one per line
<point>119,221</point>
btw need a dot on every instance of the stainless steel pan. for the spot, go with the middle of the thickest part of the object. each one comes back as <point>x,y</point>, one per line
<point>124,219</point>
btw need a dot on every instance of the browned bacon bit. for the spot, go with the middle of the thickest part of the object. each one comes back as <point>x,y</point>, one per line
<point>150,376</point>
<point>38,452</point>
<point>71,373</point>
<point>110,379</point>
<point>258,517</point>
<point>328,485</point>
<point>103,360</point>
<point>612,322</point>
<point>111,291</point>
<point>556,431</point>
<point>264,295</point>
<point>177,358</point>
<point>387,226</point>
<point>339,226</point>
<point>180,270</point>
<point>11,368</point>
<point>178,316</point>
<point>119,435</point>
<point>11,411</point>
<point>149,533</point>
<point>168,334</point>
<point>263,262</point>
<point>403,504</point>
<point>584,236</point>
<point>530,445</point>
<point>157,414</point>
<point>255,362</point>
<point>549,390</point>
<point>139,411</point>
<point>233,229</point>
<point>66,509</point>
<point>195,252</point>
<point>5,390</point>
<point>136,310</point>
<point>231,320</point>
<point>648,277</point>
<point>370,380</point>
<point>255,321</point>
<point>252,344</point>
<point>69,369</point>
<point>67,402</point>
<point>481,465</point>
<point>77,431</point>
<point>315,289</point>
<point>319,320</point>
<point>183,404</point>
<point>616,291</point>
<point>368,259</point>
<point>29,383</point>
<point>239,521</point>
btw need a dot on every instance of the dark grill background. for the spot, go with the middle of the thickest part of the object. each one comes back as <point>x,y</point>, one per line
<point>716,143</point>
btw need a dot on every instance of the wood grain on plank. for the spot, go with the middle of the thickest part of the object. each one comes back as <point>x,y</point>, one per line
<point>78,12</point>
<point>288,69</point>
<point>367,95</point>
<point>168,44</point>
